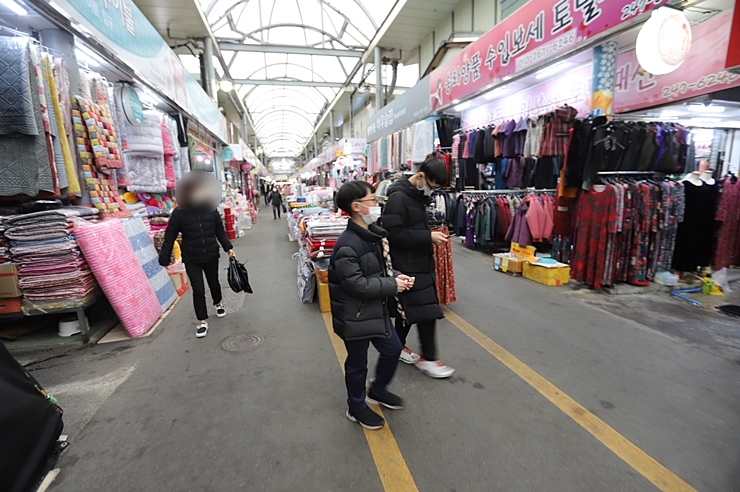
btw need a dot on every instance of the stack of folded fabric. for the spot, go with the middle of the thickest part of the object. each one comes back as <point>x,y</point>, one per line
<point>4,251</point>
<point>51,268</point>
<point>322,234</point>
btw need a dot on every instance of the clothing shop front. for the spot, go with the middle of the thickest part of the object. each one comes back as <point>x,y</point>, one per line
<point>586,155</point>
<point>96,172</point>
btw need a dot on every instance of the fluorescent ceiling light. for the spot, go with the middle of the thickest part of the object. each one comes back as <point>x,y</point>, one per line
<point>226,85</point>
<point>59,9</point>
<point>546,72</point>
<point>669,113</point>
<point>699,121</point>
<point>463,106</point>
<point>700,108</point>
<point>86,58</point>
<point>455,101</point>
<point>495,93</point>
<point>506,77</point>
<point>465,39</point>
<point>17,9</point>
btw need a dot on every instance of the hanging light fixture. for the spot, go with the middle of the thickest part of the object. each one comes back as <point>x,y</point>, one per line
<point>664,41</point>
<point>226,85</point>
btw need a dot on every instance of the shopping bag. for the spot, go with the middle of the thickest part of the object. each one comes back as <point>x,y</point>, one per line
<point>244,278</point>
<point>238,277</point>
<point>285,209</point>
<point>235,281</point>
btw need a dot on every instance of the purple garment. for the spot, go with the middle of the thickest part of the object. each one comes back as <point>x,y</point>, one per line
<point>515,173</point>
<point>507,145</point>
<point>471,144</point>
<point>519,229</point>
<point>469,239</point>
<point>660,135</point>
<point>520,136</point>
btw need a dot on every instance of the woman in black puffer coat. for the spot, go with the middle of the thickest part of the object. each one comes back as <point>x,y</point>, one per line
<point>406,220</point>
<point>202,229</point>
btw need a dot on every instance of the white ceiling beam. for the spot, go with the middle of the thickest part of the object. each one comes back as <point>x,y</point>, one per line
<point>289,83</point>
<point>290,50</point>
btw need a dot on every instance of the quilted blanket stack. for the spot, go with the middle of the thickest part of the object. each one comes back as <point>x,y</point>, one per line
<point>144,158</point>
<point>51,267</point>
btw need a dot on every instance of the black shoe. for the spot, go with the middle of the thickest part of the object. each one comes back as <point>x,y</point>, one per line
<point>366,418</point>
<point>202,330</point>
<point>387,399</point>
<point>220,311</point>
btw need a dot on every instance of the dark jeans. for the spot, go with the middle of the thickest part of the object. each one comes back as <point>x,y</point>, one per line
<point>427,333</point>
<point>355,367</point>
<point>195,274</point>
<point>276,211</point>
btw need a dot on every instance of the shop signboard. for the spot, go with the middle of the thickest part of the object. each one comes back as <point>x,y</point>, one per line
<point>703,71</point>
<point>354,146</point>
<point>572,88</point>
<point>732,62</point>
<point>540,30</point>
<point>120,26</point>
<point>410,107</point>
<point>133,110</point>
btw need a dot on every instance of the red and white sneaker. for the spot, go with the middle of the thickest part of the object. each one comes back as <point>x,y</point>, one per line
<point>408,356</point>
<point>434,368</point>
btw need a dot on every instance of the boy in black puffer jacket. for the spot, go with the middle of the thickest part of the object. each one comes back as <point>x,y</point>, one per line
<point>361,287</point>
<point>202,230</point>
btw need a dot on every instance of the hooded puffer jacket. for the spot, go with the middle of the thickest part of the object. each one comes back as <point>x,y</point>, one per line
<point>359,287</point>
<point>202,231</point>
<point>406,220</point>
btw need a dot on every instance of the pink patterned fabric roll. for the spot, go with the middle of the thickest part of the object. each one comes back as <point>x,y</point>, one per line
<point>111,258</point>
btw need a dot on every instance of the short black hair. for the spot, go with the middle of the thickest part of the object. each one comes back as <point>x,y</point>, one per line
<point>351,192</point>
<point>435,171</point>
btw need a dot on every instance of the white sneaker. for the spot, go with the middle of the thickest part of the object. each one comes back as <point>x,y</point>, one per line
<point>434,368</point>
<point>220,311</point>
<point>202,330</point>
<point>407,356</point>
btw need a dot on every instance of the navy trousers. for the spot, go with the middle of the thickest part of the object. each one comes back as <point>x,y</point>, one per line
<point>355,367</point>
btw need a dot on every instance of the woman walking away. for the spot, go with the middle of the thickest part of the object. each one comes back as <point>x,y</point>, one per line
<point>406,220</point>
<point>196,217</point>
<point>276,199</point>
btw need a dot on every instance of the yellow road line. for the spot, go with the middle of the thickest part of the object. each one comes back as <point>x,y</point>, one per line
<point>394,474</point>
<point>647,466</point>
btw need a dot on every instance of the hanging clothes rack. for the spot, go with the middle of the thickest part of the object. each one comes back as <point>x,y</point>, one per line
<point>507,192</point>
<point>539,109</point>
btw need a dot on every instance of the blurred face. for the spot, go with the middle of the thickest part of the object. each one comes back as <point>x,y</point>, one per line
<point>198,189</point>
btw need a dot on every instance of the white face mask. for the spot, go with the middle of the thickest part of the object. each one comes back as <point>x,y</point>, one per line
<point>372,216</point>
<point>427,190</point>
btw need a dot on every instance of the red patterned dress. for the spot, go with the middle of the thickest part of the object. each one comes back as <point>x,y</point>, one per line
<point>597,219</point>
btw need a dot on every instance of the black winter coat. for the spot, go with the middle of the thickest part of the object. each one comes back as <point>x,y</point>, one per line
<point>202,231</point>
<point>275,198</point>
<point>406,220</point>
<point>359,287</point>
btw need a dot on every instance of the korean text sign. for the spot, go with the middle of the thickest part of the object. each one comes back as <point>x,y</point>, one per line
<point>539,30</point>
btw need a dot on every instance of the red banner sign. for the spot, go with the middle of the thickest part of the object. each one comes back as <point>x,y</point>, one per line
<point>540,30</point>
<point>702,72</point>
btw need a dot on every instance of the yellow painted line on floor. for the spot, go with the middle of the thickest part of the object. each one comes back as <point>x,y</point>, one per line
<point>394,474</point>
<point>643,463</point>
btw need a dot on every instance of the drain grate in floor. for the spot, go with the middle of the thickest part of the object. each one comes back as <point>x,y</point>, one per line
<point>242,343</point>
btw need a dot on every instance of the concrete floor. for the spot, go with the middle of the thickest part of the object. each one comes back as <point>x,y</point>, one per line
<point>173,413</point>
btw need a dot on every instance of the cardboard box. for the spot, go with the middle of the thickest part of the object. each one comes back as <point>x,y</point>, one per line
<point>9,281</point>
<point>324,300</point>
<point>508,263</point>
<point>550,275</point>
<point>180,281</point>
<point>10,305</point>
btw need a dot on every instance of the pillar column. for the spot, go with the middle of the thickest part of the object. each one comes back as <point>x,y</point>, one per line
<point>331,126</point>
<point>210,69</point>
<point>378,78</point>
<point>602,80</point>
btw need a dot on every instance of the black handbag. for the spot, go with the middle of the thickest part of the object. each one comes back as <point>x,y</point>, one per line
<point>238,277</point>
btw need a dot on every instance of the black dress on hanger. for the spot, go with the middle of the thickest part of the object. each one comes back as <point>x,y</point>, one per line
<point>695,237</point>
